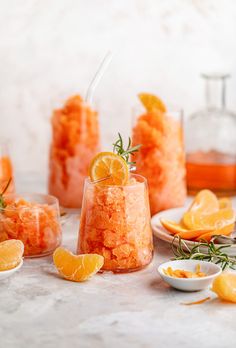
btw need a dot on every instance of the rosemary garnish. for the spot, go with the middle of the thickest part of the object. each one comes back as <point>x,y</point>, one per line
<point>118,148</point>
<point>2,202</point>
<point>213,253</point>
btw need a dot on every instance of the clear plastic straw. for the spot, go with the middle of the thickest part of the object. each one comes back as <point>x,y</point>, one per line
<point>97,77</point>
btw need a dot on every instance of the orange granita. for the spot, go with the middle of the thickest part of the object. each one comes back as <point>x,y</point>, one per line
<point>6,174</point>
<point>75,141</point>
<point>161,158</point>
<point>115,223</point>
<point>35,222</point>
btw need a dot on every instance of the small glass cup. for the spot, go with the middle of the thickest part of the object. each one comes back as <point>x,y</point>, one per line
<point>6,169</point>
<point>161,158</point>
<point>34,219</point>
<point>115,223</point>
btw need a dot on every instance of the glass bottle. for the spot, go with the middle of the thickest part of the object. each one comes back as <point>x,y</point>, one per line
<point>211,142</point>
<point>115,223</point>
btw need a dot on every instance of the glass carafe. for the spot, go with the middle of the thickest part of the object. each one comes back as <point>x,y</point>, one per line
<point>211,142</point>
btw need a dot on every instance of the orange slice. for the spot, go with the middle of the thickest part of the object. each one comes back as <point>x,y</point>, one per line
<point>11,252</point>
<point>205,202</point>
<point>225,203</point>
<point>108,168</point>
<point>172,227</point>
<point>77,268</point>
<point>216,221</point>
<point>151,102</point>
<point>225,287</point>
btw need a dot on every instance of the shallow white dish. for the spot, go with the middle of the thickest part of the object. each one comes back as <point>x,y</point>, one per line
<point>190,284</point>
<point>176,215</point>
<point>8,273</point>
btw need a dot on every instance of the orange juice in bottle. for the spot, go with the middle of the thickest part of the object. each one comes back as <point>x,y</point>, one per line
<point>211,142</point>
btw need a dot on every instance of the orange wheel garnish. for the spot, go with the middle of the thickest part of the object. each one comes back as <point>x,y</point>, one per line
<point>108,168</point>
<point>152,102</point>
<point>11,252</point>
<point>77,268</point>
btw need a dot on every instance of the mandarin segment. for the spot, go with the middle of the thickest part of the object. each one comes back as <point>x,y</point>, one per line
<point>11,252</point>
<point>206,202</point>
<point>225,287</point>
<point>76,268</point>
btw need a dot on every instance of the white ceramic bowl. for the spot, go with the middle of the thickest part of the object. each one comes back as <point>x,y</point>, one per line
<point>8,273</point>
<point>190,284</point>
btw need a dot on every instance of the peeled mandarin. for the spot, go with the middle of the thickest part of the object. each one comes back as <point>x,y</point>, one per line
<point>109,169</point>
<point>77,268</point>
<point>225,287</point>
<point>11,252</point>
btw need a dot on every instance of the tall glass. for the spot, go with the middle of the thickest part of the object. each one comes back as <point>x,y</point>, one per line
<point>115,223</point>
<point>34,219</point>
<point>211,142</point>
<point>75,141</point>
<point>161,158</point>
<point>6,169</point>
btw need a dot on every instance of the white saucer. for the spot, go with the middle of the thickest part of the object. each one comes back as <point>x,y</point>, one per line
<point>8,273</point>
<point>176,215</point>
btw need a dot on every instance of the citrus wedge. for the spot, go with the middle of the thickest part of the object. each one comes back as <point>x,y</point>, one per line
<point>77,268</point>
<point>214,221</point>
<point>151,102</point>
<point>206,202</point>
<point>225,287</point>
<point>172,226</point>
<point>108,168</point>
<point>11,252</point>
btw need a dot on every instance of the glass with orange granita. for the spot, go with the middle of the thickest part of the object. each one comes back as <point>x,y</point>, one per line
<point>115,220</point>
<point>6,170</point>
<point>33,219</point>
<point>75,141</point>
<point>161,158</point>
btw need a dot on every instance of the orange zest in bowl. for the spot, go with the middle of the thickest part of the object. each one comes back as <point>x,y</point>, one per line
<point>180,273</point>
<point>77,268</point>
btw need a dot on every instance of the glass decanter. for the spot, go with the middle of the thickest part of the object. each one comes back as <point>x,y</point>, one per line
<point>210,136</point>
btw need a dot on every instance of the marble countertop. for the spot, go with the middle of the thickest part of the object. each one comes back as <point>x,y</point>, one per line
<point>39,309</point>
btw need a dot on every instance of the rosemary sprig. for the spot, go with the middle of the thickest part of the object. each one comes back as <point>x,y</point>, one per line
<point>118,148</point>
<point>213,253</point>
<point>2,202</point>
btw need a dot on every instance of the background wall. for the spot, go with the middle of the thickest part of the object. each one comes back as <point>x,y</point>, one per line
<point>50,49</point>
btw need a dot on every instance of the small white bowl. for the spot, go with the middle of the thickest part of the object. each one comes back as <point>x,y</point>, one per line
<point>9,272</point>
<point>190,284</point>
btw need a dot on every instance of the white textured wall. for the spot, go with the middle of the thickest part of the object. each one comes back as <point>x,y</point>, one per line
<point>49,50</point>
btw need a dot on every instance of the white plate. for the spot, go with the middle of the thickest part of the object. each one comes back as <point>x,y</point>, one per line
<point>190,284</point>
<point>8,273</point>
<point>176,215</point>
